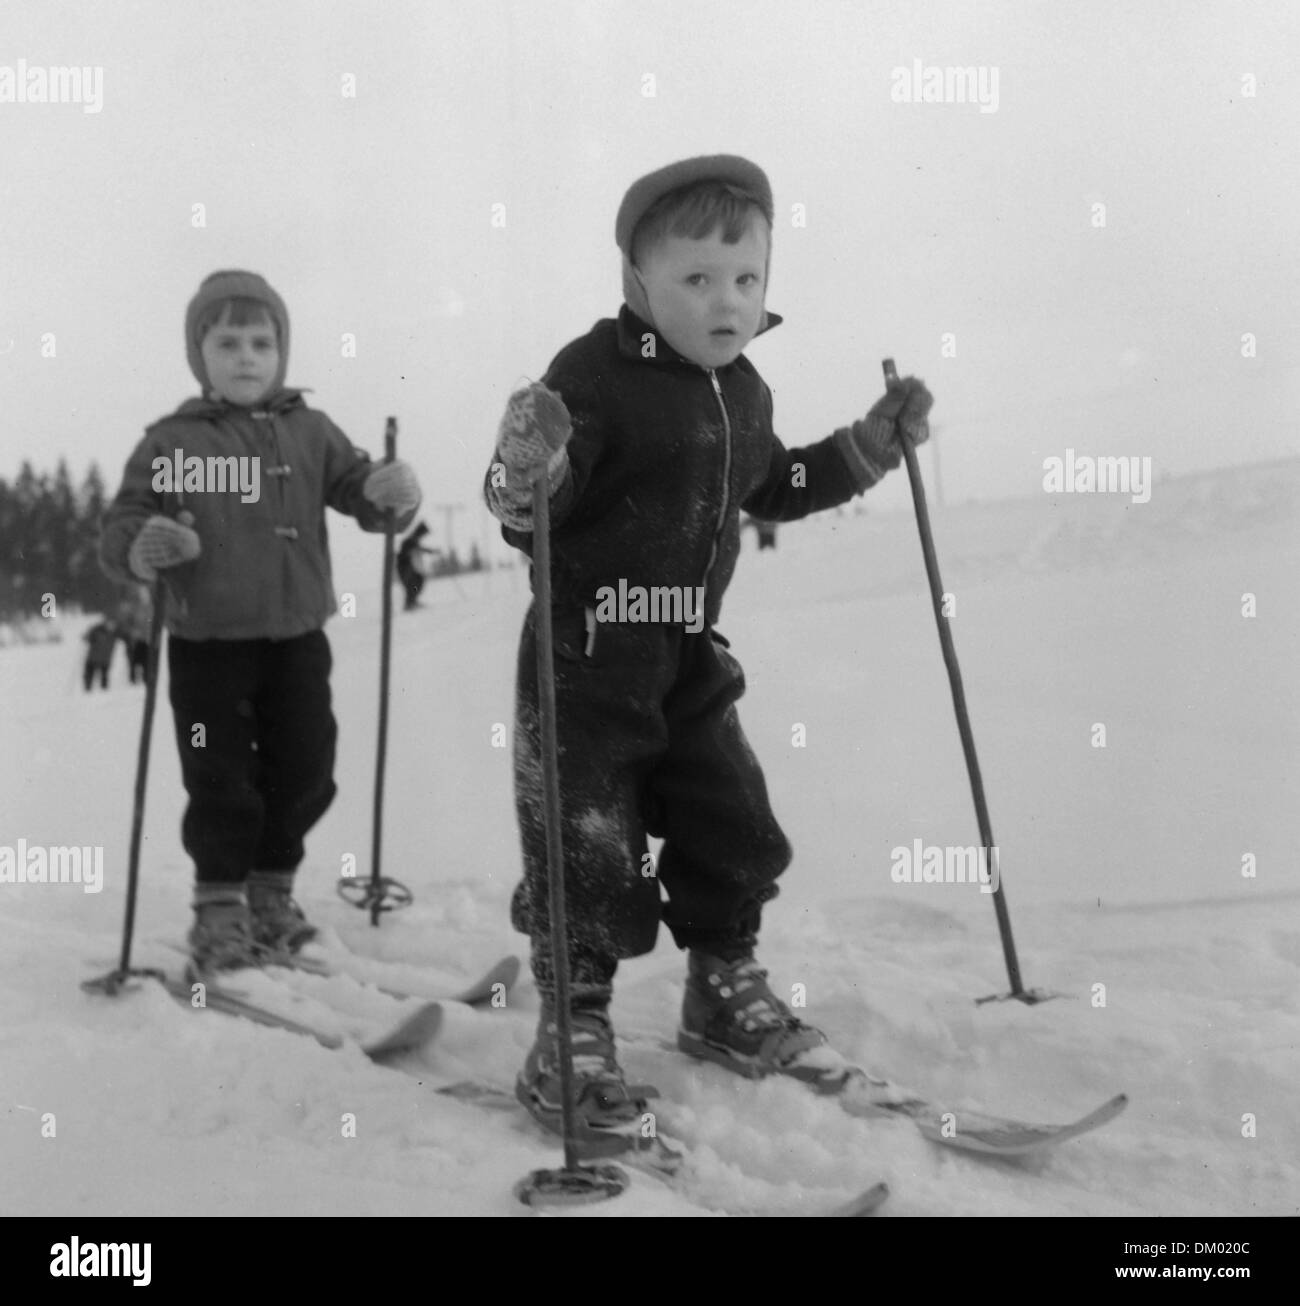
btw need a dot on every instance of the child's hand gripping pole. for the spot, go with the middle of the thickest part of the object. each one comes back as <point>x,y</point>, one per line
<point>380,894</point>
<point>1018,991</point>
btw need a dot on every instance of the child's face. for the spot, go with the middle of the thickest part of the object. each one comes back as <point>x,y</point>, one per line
<point>241,360</point>
<point>707,296</point>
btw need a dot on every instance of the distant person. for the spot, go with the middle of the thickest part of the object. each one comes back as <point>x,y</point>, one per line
<point>134,617</point>
<point>411,565</point>
<point>249,589</point>
<point>102,639</point>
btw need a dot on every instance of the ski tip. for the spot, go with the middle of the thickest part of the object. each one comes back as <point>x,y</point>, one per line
<point>501,976</point>
<point>416,1031</point>
<point>1112,1106</point>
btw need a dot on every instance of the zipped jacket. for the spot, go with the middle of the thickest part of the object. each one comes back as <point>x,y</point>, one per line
<point>665,455</point>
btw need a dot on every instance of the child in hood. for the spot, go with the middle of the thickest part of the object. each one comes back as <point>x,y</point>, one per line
<point>225,501</point>
<point>654,432</point>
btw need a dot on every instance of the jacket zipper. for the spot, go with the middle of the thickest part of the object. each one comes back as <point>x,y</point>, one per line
<point>726,477</point>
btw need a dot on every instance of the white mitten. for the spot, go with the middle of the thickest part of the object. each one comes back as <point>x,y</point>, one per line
<point>393,485</point>
<point>162,543</point>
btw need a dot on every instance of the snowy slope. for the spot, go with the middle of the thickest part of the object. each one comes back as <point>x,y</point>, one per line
<point>1122,868</point>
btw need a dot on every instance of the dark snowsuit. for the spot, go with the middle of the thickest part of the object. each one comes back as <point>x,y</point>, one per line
<point>101,639</point>
<point>664,455</point>
<point>248,661</point>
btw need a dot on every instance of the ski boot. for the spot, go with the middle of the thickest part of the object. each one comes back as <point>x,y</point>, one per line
<point>278,922</point>
<point>608,1112</point>
<point>221,939</point>
<point>731,1016</point>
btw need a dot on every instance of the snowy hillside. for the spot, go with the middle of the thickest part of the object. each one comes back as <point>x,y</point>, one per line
<point>1122,866</point>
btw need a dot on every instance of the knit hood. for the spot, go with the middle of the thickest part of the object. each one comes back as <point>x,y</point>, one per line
<point>232,285</point>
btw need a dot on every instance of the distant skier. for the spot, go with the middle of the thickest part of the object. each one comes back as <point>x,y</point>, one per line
<point>101,639</point>
<point>134,615</point>
<point>410,565</point>
<point>249,588</point>
<point>653,432</point>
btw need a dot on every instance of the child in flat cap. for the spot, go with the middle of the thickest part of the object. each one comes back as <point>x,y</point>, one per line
<point>226,499</point>
<point>655,433</point>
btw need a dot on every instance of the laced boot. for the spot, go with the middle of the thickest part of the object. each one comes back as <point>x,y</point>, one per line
<point>279,924</point>
<point>731,1016</point>
<point>608,1112</point>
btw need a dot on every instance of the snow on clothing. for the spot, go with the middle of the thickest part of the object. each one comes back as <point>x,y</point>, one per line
<point>664,455</point>
<point>661,463</point>
<point>264,572</point>
<point>650,743</point>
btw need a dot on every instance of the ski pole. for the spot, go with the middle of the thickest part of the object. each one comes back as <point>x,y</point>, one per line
<point>380,894</point>
<point>575,1183</point>
<point>1018,991</point>
<point>115,980</point>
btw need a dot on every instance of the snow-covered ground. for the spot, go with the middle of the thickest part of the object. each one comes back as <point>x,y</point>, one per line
<point>1122,864</point>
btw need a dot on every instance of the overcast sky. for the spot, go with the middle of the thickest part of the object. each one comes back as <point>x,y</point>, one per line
<point>373,214</point>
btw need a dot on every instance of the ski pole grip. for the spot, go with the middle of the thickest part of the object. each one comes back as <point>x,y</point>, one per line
<point>891,382</point>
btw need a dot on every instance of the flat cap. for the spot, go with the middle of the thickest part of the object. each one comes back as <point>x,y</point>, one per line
<point>706,167</point>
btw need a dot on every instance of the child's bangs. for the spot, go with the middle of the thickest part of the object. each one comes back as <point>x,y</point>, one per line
<point>242,311</point>
<point>696,212</point>
<point>706,209</point>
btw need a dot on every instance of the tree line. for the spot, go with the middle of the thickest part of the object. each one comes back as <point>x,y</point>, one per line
<point>49,543</point>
